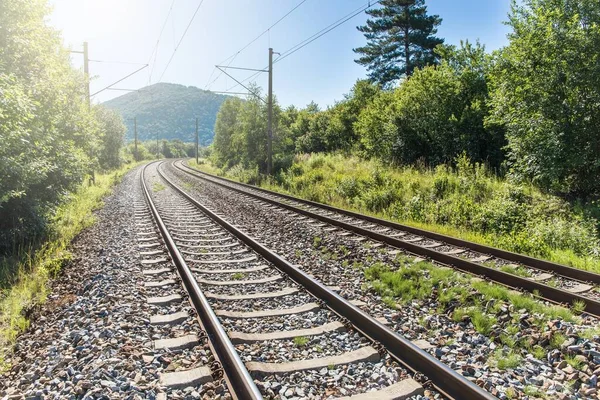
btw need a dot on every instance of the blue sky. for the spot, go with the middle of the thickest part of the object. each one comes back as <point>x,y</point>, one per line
<point>127,31</point>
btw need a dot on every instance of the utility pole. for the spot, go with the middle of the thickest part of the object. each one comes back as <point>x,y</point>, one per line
<point>270,117</point>
<point>135,152</point>
<point>86,72</point>
<point>157,148</point>
<point>196,141</point>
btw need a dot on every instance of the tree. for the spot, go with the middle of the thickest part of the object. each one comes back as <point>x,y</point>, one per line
<point>436,115</point>
<point>226,126</point>
<point>112,134</point>
<point>546,93</point>
<point>400,37</point>
<point>47,133</point>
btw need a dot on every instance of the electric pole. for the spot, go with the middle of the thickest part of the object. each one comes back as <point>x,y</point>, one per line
<point>196,141</point>
<point>270,116</point>
<point>157,148</point>
<point>86,72</point>
<point>135,152</point>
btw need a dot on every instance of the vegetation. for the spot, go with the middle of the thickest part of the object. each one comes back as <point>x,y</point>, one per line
<point>56,159</point>
<point>546,94</point>
<point>51,140</point>
<point>170,111</point>
<point>27,288</point>
<point>497,148</point>
<point>300,341</point>
<point>468,201</point>
<point>400,37</point>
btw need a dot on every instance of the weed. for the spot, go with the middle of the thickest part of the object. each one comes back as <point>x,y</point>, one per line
<point>482,323</point>
<point>344,250</point>
<point>518,270</point>
<point>590,333</point>
<point>459,314</point>
<point>538,352</point>
<point>534,391</point>
<point>506,360</point>
<point>508,340</point>
<point>331,367</point>
<point>317,242</point>
<point>578,307</point>
<point>238,276</point>
<point>511,393</point>
<point>557,340</point>
<point>157,187</point>
<point>574,361</point>
<point>300,341</point>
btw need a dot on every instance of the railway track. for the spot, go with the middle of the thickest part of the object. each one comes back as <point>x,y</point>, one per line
<point>271,326</point>
<point>553,282</point>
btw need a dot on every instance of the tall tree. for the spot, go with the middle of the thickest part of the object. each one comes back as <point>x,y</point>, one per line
<point>400,37</point>
<point>546,92</point>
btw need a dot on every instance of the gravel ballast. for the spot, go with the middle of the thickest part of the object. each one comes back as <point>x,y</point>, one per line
<point>93,338</point>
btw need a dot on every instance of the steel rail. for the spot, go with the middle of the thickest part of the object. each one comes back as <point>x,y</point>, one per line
<point>564,270</point>
<point>547,292</point>
<point>444,378</point>
<point>240,383</point>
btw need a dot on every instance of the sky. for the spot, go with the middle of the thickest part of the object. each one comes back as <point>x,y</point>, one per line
<point>124,36</point>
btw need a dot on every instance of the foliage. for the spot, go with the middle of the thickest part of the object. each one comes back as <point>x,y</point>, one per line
<point>435,115</point>
<point>169,110</point>
<point>467,201</point>
<point>49,137</point>
<point>241,133</point>
<point>400,37</point>
<point>545,92</point>
<point>112,133</point>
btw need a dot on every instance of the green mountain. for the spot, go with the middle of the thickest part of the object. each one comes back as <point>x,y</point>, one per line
<point>169,110</point>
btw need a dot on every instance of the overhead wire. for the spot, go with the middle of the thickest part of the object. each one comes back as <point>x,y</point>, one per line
<point>155,50</point>
<point>315,36</point>
<point>324,31</point>
<point>181,39</point>
<point>234,55</point>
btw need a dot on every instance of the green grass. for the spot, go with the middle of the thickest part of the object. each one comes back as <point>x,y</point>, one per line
<point>407,281</point>
<point>574,362</point>
<point>300,341</point>
<point>238,276</point>
<point>534,392</point>
<point>469,202</point>
<point>505,359</point>
<point>157,187</point>
<point>557,340</point>
<point>29,285</point>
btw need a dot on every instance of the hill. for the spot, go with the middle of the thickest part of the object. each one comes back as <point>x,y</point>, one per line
<point>169,110</point>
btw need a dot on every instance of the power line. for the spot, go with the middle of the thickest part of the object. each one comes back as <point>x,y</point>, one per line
<point>315,36</point>
<point>155,50</point>
<point>250,43</point>
<point>181,39</point>
<point>122,79</point>
<point>325,30</point>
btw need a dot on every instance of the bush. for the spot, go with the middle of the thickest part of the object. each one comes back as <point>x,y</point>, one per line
<point>467,201</point>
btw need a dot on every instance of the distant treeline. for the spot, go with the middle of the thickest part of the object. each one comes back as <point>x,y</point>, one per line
<point>530,111</point>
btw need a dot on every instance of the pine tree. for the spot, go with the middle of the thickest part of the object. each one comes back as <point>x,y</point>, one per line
<point>400,38</point>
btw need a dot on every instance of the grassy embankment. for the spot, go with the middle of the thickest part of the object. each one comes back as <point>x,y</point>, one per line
<point>26,285</point>
<point>469,203</point>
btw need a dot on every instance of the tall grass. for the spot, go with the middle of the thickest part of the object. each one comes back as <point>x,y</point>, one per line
<point>468,202</point>
<point>27,287</point>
